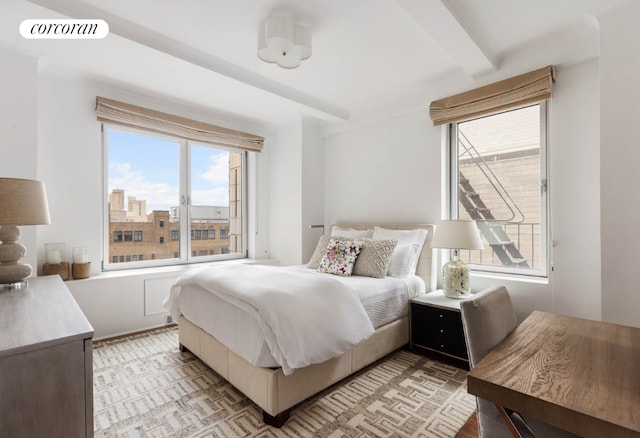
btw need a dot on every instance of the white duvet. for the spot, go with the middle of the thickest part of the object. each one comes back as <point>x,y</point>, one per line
<point>306,318</point>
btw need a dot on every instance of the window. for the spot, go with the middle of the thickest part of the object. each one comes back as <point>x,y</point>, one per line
<point>498,178</point>
<point>176,188</point>
<point>223,234</point>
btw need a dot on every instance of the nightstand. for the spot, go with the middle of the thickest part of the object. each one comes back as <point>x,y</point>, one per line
<point>436,326</point>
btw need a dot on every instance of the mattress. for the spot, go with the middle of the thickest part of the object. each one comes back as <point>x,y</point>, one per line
<point>384,300</point>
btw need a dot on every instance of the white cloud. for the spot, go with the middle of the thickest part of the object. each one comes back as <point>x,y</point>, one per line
<point>159,196</point>
<point>211,185</point>
<point>217,171</point>
<point>213,196</point>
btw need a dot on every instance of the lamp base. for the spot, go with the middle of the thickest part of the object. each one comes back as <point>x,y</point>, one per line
<point>12,272</point>
<point>455,279</point>
<point>14,286</point>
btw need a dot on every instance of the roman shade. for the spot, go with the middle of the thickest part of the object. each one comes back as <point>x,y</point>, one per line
<point>509,93</point>
<point>112,111</point>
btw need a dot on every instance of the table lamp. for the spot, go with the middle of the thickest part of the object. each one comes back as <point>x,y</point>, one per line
<point>22,202</point>
<point>456,235</point>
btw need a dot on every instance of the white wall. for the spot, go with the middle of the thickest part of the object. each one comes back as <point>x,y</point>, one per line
<point>384,172</point>
<point>620,155</point>
<point>313,173</point>
<point>296,170</point>
<point>70,163</point>
<point>390,172</point>
<point>18,129</point>
<point>574,161</point>
<point>285,208</point>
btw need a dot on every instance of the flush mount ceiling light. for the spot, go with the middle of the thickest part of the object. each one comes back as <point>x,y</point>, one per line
<point>284,41</point>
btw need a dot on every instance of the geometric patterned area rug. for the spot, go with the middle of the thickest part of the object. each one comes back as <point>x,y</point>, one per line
<point>145,387</point>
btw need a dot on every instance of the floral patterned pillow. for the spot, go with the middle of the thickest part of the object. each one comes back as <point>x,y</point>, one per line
<point>340,257</point>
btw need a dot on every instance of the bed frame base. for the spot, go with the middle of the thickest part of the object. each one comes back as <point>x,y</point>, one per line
<point>269,388</point>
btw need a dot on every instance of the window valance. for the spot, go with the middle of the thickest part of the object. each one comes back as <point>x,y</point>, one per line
<point>516,91</point>
<point>112,111</point>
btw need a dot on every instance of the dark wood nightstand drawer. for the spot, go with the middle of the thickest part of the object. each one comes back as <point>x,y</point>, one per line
<point>438,329</point>
<point>452,346</point>
<point>437,321</point>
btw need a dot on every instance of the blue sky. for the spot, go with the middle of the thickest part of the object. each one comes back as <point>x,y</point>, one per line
<point>148,168</point>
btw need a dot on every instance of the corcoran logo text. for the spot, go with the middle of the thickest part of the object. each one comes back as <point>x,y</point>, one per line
<point>63,29</point>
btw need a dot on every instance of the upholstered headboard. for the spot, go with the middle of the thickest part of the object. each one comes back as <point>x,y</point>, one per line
<point>426,268</point>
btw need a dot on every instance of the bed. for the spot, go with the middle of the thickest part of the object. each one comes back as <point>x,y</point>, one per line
<point>249,365</point>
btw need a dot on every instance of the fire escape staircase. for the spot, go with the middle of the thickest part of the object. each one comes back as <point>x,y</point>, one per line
<point>491,228</point>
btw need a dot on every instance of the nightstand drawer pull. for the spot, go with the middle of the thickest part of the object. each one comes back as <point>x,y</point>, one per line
<point>441,315</point>
<point>441,331</point>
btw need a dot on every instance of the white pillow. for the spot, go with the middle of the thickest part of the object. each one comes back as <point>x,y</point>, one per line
<point>405,257</point>
<point>402,260</point>
<point>350,233</point>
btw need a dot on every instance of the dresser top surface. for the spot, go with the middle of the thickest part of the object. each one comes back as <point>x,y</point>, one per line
<point>45,313</point>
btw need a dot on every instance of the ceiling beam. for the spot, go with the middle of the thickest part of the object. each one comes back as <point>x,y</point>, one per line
<point>454,27</point>
<point>141,35</point>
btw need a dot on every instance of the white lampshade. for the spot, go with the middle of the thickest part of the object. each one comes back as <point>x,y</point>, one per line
<point>22,202</point>
<point>283,41</point>
<point>457,234</point>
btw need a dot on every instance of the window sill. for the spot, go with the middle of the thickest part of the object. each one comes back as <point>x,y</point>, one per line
<point>510,277</point>
<point>172,269</point>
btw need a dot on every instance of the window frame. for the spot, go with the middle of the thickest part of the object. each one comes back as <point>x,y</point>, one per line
<point>184,204</point>
<point>451,204</point>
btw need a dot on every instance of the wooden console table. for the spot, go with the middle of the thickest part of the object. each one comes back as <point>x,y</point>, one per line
<point>46,362</point>
<point>576,374</point>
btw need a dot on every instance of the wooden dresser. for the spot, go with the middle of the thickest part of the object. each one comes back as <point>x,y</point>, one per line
<point>46,364</point>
